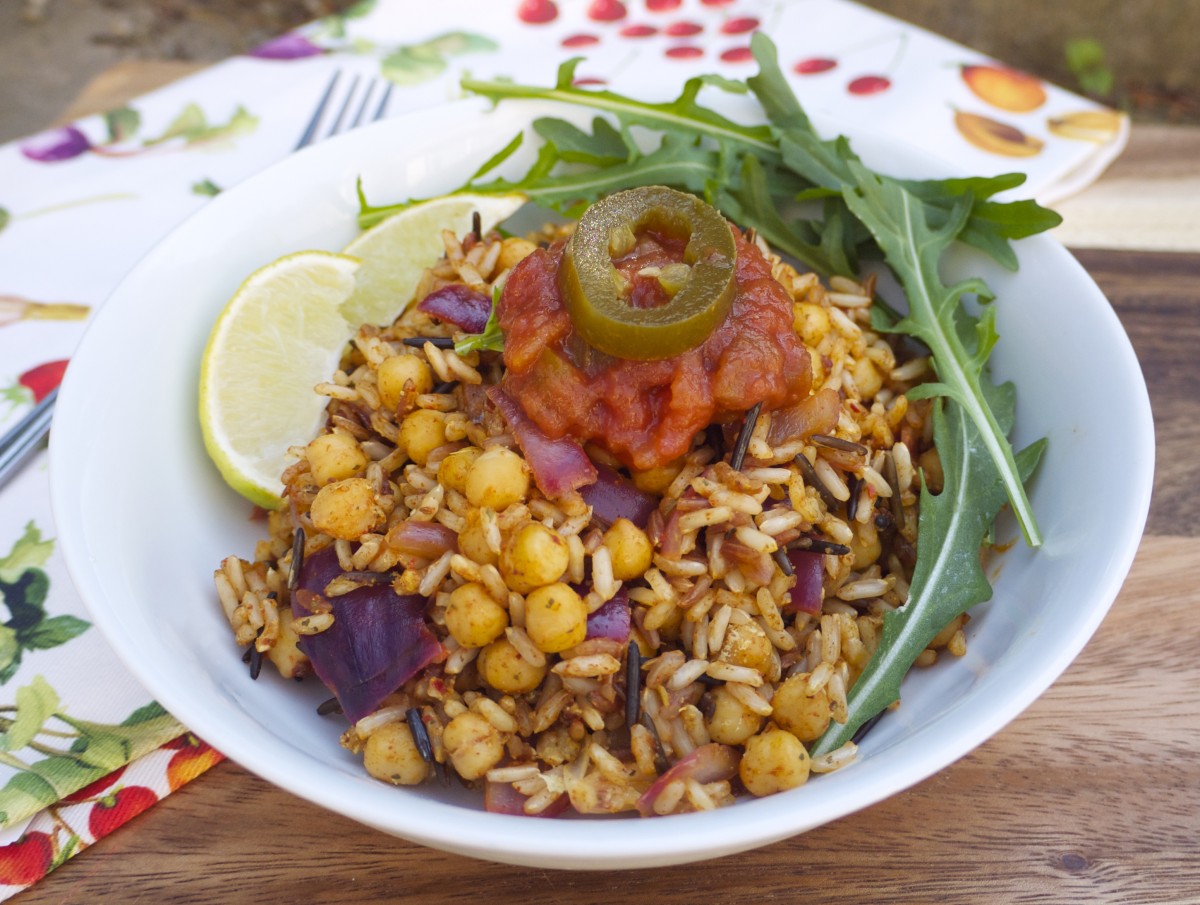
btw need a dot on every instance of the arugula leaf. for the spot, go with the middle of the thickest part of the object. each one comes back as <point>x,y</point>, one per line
<point>491,339</point>
<point>936,316</point>
<point>948,579</point>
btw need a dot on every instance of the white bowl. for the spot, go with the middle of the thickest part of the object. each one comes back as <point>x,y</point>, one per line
<point>143,518</point>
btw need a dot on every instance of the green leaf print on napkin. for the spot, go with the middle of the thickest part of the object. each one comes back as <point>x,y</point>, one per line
<point>74,756</point>
<point>23,590</point>
<point>193,127</point>
<point>412,64</point>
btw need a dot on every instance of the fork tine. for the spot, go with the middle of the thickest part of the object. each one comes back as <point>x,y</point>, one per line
<point>362,107</point>
<point>341,115</point>
<point>383,102</point>
<point>310,131</point>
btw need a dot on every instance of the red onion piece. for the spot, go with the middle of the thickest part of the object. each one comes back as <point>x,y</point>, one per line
<point>614,496</point>
<point>502,798</point>
<point>426,540</point>
<point>708,763</point>
<point>611,620</point>
<point>461,305</point>
<point>758,567</point>
<point>559,466</point>
<point>817,414</point>
<point>810,579</point>
<point>378,640</point>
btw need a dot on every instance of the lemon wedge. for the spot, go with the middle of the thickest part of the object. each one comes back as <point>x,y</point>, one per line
<point>396,251</point>
<point>280,335</point>
<point>285,328</point>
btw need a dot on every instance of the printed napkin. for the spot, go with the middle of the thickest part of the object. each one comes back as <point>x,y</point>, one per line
<point>82,746</point>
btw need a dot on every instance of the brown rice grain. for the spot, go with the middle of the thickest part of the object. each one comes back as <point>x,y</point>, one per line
<point>688,673</point>
<point>957,645</point>
<point>313,624</point>
<point>494,714</point>
<point>333,391</point>
<point>703,518</point>
<point>643,748</point>
<point>756,540</point>
<point>659,615</point>
<point>459,659</point>
<point>729,672</point>
<point>836,759</point>
<point>863,589</point>
<point>524,646</point>
<point>670,797</point>
<point>514,773</point>
<point>602,573</point>
<point>749,698</point>
<point>848,300</point>
<point>769,609</point>
<point>717,627</point>
<point>777,521</point>
<point>677,568</point>
<point>592,666</point>
<point>575,558</point>
<point>374,721</point>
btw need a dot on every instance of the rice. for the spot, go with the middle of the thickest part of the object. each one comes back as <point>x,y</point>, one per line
<point>708,605</point>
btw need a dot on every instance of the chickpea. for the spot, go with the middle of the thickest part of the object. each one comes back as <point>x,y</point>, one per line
<point>284,653</point>
<point>452,472</point>
<point>474,745</point>
<point>395,372</point>
<point>534,556</point>
<point>513,251</point>
<point>421,433</point>
<point>747,644</point>
<point>473,618</point>
<point>503,668</point>
<point>731,722</point>
<point>867,378</point>
<point>346,509</point>
<point>803,715</point>
<point>555,618</point>
<point>657,480</point>
<point>392,755</point>
<point>631,550</point>
<point>497,479</point>
<point>811,322</point>
<point>774,762</point>
<point>335,457</point>
<point>472,543</point>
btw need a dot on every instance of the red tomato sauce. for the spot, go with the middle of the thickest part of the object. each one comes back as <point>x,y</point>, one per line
<point>647,412</point>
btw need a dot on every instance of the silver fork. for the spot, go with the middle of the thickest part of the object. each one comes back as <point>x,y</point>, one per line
<point>365,100</point>
<point>357,104</point>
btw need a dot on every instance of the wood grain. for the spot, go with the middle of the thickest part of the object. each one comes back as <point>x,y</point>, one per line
<point>1092,795</point>
<point>1156,297</point>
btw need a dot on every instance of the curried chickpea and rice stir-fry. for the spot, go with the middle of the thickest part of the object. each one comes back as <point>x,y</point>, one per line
<point>607,569</point>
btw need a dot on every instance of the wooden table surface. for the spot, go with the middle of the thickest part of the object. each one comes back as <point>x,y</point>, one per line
<point>1092,795</point>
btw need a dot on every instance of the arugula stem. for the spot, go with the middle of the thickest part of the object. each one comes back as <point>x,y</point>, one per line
<point>725,131</point>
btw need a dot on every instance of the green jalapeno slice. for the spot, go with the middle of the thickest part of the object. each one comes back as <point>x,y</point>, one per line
<point>591,285</point>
